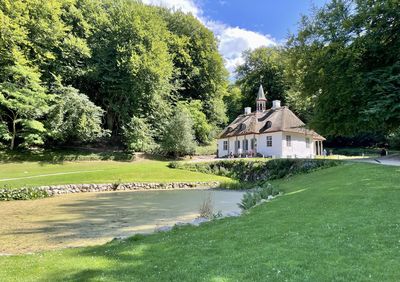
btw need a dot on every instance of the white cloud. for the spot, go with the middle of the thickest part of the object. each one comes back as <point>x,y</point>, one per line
<point>232,40</point>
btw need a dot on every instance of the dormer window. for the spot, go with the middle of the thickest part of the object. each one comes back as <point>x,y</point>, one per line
<point>268,124</point>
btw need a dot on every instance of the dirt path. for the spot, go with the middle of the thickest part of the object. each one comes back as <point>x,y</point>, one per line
<point>389,160</point>
<point>95,218</point>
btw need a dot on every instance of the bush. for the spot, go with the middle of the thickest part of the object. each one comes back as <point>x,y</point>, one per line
<point>394,139</point>
<point>178,139</point>
<point>255,171</point>
<point>138,136</point>
<point>27,193</point>
<point>207,208</point>
<point>250,199</point>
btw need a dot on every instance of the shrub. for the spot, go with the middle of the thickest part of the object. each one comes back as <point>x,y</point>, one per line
<point>207,208</point>
<point>255,171</point>
<point>27,193</point>
<point>138,135</point>
<point>178,139</point>
<point>250,199</point>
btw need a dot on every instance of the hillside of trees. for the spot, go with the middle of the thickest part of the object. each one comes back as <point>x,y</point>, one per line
<point>79,71</point>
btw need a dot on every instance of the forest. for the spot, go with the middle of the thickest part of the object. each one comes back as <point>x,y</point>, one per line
<point>151,79</point>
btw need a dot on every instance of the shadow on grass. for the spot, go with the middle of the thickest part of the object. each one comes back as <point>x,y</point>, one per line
<point>158,257</point>
<point>61,155</point>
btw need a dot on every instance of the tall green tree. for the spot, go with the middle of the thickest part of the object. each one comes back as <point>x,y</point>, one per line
<point>202,128</point>
<point>199,71</point>
<point>130,65</point>
<point>263,66</point>
<point>345,58</point>
<point>234,101</point>
<point>23,101</point>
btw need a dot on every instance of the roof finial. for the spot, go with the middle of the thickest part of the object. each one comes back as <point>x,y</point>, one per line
<point>261,95</point>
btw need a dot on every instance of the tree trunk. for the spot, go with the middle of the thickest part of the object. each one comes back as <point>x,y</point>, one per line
<point>110,121</point>
<point>14,133</point>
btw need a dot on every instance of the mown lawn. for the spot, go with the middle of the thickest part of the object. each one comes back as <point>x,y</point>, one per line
<point>15,175</point>
<point>336,224</point>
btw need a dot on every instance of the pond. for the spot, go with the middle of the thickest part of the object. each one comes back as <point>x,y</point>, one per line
<point>94,218</point>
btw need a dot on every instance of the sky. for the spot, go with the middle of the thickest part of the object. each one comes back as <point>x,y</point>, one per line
<point>241,25</point>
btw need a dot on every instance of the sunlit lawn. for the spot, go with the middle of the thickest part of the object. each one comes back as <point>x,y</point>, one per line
<point>38,173</point>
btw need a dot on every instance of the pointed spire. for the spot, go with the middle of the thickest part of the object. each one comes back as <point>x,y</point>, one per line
<point>261,101</point>
<point>261,95</point>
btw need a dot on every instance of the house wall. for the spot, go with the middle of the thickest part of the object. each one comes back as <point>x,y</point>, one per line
<point>276,150</point>
<point>298,148</point>
<point>231,145</point>
<point>279,148</point>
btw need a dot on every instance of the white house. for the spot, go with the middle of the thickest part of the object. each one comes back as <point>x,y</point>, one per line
<point>276,132</point>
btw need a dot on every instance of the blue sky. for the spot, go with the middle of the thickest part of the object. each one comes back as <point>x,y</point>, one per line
<point>241,25</point>
<point>272,17</point>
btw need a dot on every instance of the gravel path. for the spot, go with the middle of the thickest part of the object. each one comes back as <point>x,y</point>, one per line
<point>393,160</point>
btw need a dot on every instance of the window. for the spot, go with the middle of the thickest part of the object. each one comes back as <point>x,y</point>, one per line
<point>245,144</point>
<point>237,144</point>
<point>288,141</point>
<point>225,145</point>
<point>268,124</point>
<point>253,143</point>
<point>307,142</point>
<point>269,141</point>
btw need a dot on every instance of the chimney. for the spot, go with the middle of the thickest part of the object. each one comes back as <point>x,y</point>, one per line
<point>276,104</point>
<point>247,110</point>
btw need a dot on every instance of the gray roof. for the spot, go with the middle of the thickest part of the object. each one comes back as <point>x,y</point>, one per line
<point>272,120</point>
<point>260,94</point>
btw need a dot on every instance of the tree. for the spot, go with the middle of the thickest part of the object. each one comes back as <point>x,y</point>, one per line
<point>128,58</point>
<point>199,71</point>
<point>346,61</point>
<point>73,117</point>
<point>263,66</point>
<point>178,139</point>
<point>138,135</point>
<point>130,67</point>
<point>23,101</point>
<point>202,128</point>
<point>234,102</point>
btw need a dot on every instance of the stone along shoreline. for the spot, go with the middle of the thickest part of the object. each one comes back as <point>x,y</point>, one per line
<point>55,190</point>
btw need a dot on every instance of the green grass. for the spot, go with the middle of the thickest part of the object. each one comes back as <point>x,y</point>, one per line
<point>336,224</point>
<point>41,174</point>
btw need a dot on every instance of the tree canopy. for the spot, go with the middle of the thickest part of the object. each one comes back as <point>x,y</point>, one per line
<point>345,63</point>
<point>114,63</point>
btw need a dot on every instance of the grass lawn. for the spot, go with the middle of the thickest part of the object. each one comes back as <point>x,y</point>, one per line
<point>336,224</point>
<point>39,173</point>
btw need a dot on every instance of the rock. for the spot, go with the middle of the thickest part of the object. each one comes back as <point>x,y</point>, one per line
<point>181,223</point>
<point>120,238</point>
<point>232,214</point>
<point>199,220</point>
<point>163,228</point>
